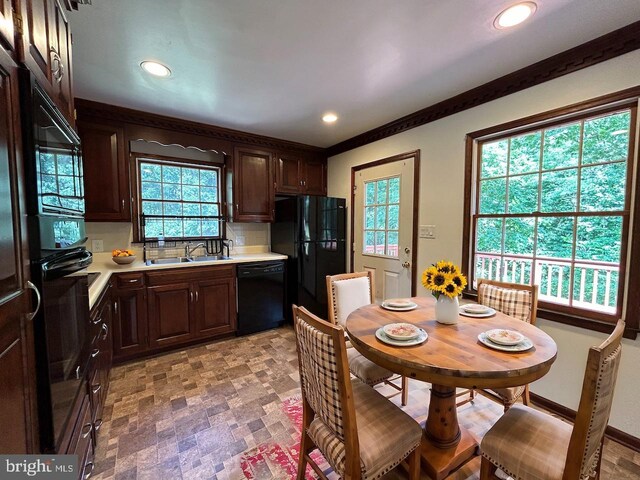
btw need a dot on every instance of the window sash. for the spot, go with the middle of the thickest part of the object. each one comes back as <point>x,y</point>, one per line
<point>572,306</point>
<point>182,219</point>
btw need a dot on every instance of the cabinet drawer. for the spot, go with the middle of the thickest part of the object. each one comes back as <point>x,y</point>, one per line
<point>189,274</point>
<point>130,280</point>
<point>82,433</point>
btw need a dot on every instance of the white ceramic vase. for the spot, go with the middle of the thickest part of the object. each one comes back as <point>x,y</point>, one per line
<point>447,310</point>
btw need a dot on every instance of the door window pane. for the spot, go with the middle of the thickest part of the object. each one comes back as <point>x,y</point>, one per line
<point>381,217</point>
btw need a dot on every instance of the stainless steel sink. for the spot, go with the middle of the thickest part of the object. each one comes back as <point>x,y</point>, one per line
<point>210,258</point>
<point>165,261</point>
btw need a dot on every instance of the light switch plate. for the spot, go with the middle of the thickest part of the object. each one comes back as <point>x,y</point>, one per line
<point>97,246</point>
<point>428,231</point>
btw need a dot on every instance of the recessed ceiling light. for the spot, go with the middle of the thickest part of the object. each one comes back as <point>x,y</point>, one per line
<point>155,68</point>
<point>514,15</point>
<point>329,117</point>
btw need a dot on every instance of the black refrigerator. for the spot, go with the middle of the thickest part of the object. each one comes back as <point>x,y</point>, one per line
<point>311,231</point>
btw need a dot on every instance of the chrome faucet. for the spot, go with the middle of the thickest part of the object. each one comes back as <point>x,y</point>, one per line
<point>188,249</point>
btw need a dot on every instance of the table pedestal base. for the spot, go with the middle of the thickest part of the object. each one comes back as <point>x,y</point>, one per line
<point>440,462</point>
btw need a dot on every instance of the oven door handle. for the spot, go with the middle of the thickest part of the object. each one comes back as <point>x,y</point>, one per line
<point>31,286</point>
<point>68,263</point>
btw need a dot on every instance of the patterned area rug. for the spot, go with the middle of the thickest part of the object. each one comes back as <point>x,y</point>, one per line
<point>272,460</point>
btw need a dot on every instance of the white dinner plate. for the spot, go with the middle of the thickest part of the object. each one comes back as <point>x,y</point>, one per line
<point>490,313</point>
<point>503,336</point>
<point>399,309</point>
<point>401,331</point>
<point>399,302</point>
<point>380,335</point>
<point>521,347</point>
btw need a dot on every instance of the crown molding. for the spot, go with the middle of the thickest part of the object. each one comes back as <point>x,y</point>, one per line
<point>103,111</point>
<point>606,47</point>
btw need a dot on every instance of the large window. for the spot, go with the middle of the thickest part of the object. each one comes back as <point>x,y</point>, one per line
<point>178,200</point>
<point>551,206</point>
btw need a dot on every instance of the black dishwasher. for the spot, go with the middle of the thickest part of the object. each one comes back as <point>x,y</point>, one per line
<point>260,296</point>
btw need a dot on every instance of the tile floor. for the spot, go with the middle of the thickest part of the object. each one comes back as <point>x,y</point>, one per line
<point>191,414</point>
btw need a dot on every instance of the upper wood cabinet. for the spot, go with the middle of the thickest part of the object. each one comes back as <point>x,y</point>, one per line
<point>253,196</point>
<point>297,175</point>
<point>7,31</point>
<point>45,48</point>
<point>106,176</point>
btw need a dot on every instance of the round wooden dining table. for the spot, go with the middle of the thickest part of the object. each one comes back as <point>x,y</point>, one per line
<point>451,357</point>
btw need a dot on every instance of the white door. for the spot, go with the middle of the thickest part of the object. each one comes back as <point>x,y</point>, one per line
<point>383,226</point>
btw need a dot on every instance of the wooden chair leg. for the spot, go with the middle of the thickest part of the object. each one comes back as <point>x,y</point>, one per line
<point>414,464</point>
<point>405,391</point>
<point>487,470</point>
<point>305,446</point>
<point>526,399</point>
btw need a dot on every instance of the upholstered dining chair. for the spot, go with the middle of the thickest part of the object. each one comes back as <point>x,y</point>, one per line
<point>359,432</point>
<point>518,301</point>
<point>526,443</point>
<point>347,292</point>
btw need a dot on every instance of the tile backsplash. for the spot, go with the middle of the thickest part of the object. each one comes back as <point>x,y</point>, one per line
<point>247,237</point>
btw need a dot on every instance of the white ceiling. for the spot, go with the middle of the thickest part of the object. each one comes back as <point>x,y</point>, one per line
<point>273,67</point>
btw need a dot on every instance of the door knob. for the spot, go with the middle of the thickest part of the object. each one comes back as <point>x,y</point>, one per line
<point>406,265</point>
<point>407,250</point>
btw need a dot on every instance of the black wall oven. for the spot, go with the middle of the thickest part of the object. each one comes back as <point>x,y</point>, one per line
<point>55,206</point>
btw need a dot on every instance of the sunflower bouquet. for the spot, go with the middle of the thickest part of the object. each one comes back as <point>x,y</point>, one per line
<point>444,278</point>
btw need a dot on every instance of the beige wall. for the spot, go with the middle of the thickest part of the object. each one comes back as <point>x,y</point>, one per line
<point>247,237</point>
<point>441,203</point>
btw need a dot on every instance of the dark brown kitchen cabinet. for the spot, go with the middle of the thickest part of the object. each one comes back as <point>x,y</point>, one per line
<point>296,175</point>
<point>17,398</point>
<point>101,355</point>
<point>7,31</point>
<point>45,49</point>
<point>106,176</point>
<point>170,314</point>
<point>216,306</point>
<point>81,442</point>
<point>315,177</point>
<point>129,322</point>
<point>253,197</point>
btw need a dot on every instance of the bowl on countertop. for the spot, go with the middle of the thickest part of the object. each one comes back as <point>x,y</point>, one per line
<point>124,260</point>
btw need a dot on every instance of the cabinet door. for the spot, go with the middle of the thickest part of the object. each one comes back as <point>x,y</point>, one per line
<point>36,47</point>
<point>170,315</point>
<point>215,307</point>
<point>129,322</point>
<point>7,34</point>
<point>315,178</point>
<point>288,175</point>
<point>16,338</point>
<point>106,179</point>
<point>60,46</point>
<point>253,186</point>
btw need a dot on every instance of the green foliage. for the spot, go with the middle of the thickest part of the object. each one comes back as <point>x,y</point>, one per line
<point>554,171</point>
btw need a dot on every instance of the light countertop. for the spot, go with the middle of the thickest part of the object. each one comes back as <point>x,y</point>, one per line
<point>103,264</point>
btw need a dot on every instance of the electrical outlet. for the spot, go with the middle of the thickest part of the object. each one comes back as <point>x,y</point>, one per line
<point>97,246</point>
<point>239,240</point>
<point>428,231</point>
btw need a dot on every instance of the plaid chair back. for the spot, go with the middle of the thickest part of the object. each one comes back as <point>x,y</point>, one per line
<point>510,301</point>
<point>595,402</point>
<point>319,374</point>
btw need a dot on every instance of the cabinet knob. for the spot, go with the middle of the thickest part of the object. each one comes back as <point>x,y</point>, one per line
<point>95,352</point>
<point>105,329</point>
<point>96,388</point>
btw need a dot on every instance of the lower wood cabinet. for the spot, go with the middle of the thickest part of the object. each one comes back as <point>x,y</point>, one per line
<point>215,307</point>
<point>172,307</point>
<point>170,314</point>
<point>130,322</point>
